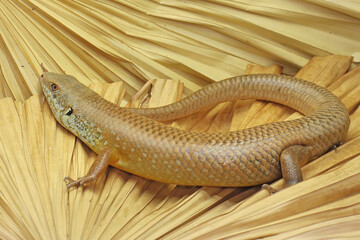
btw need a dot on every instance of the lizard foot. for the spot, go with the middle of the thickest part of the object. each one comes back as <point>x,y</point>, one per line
<point>270,189</point>
<point>79,182</point>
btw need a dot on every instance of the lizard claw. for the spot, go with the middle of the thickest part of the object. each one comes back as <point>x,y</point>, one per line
<point>71,182</point>
<point>268,188</point>
<point>79,182</point>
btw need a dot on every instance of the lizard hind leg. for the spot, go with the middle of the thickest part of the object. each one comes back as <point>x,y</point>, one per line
<point>96,170</point>
<point>291,160</point>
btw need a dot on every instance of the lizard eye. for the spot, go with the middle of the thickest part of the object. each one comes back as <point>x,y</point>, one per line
<point>54,87</point>
<point>69,111</point>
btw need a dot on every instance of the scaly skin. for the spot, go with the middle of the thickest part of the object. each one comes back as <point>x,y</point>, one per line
<point>142,146</point>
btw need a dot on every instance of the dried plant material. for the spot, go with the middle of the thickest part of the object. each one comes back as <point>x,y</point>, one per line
<point>131,43</point>
<point>167,91</point>
<point>195,43</point>
<point>36,154</point>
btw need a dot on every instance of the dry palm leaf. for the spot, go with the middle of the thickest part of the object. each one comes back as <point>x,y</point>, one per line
<point>195,42</point>
<point>134,42</point>
<point>37,153</point>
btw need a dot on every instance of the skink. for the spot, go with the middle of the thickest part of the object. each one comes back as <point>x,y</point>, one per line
<point>131,139</point>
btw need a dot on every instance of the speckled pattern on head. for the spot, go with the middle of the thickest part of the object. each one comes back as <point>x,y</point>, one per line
<point>157,151</point>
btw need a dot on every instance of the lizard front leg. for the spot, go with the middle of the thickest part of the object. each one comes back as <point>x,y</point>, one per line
<point>97,168</point>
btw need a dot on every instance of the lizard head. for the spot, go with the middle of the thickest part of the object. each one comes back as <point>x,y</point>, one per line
<point>70,102</point>
<point>63,93</point>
